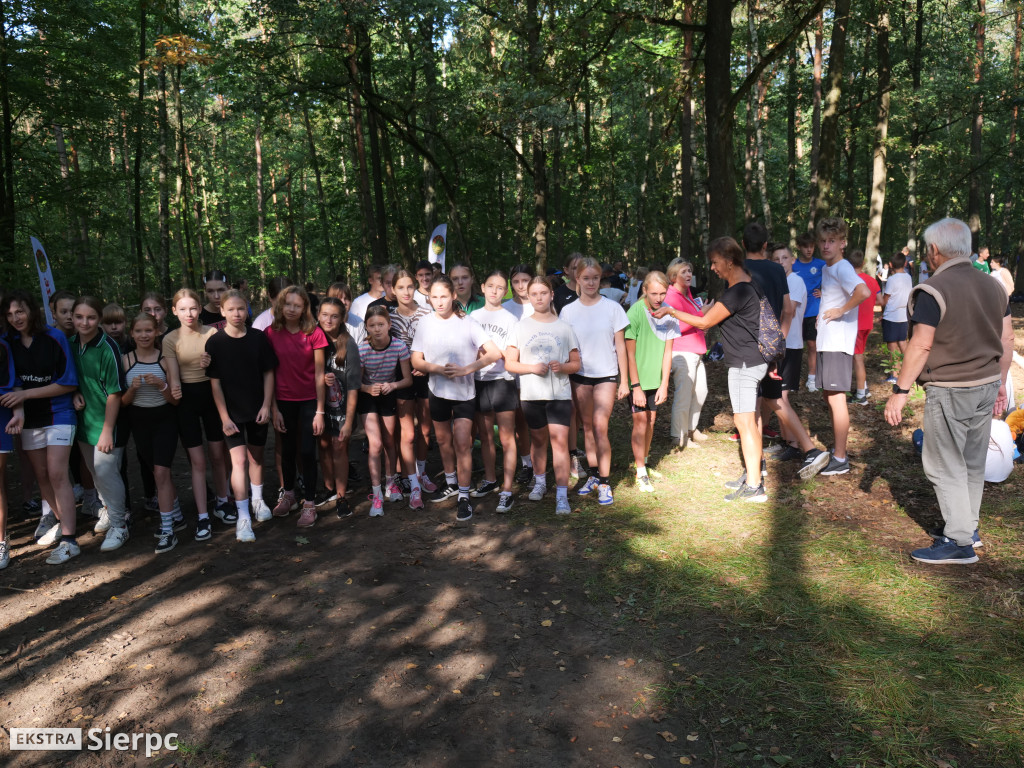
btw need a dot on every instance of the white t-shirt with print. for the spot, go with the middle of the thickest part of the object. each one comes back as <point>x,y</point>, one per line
<point>595,328</point>
<point>360,303</point>
<point>455,340</point>
<point>498,324</point>
<point>898,288</point>
<point>539,342</point>
<point>519,311</point>
<point>422,299</point>
<point>798,295</point>
<point>838,282</point>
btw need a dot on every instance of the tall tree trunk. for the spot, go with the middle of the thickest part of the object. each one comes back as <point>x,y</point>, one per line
<point>535,63</point>
<point>684,188</point>
<point>830,110</point>
<point>1011,144</point>
<point>321,198</point>
<point>164,207</point>
<point>74,245</point>
<point>719,119</point>
<point>520,212</point>
<point>974,189</point>
<point>181,191</point>
<point>759,117</point>
<point>404,247</point>
<point>362,171</point>
<point>879,166</point>
<point>7,208</point>
<point>261,212</point>
<point>367,93</point>
<point>819,42</point>
<point>297,276</point>
<point>641,203</point>
<point>915,128</point>
<point>791,108</point>
<point>137,226</point>
<point>426,27</point>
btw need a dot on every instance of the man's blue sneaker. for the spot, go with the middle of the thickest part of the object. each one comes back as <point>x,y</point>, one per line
<point>945,551</point>
<point>975,537</point>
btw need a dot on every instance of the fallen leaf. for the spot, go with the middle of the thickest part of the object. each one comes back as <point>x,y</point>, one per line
<point>555,602</point>
<point>616,738</point>
<point>348,581</point>
<point>601,724</point>
<point>546,623</point>
<point>684,761</point>
<point>301,540</point>
<point>692,737</point>
<point>782,759</point>
<point>410,665</point>
<point>456,691</point>
<point>648,756</point>
<point>739,746</point>
<point>279,701</point>
<point>668,736</point>
<point>148,666</point>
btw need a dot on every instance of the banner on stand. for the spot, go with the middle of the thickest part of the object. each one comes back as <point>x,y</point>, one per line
<point>438,245</point>
<point>46,287</point>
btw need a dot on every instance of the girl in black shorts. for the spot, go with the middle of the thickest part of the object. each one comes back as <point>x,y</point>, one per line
<point>545,352</point>
<point>381,357</point>
<point>342,379</point>
<point>413,404</point>
<point>448,347</point>
<point>497,397</point>
<point>241,372</point>
<point>154,421</point>
<point>186,357</point>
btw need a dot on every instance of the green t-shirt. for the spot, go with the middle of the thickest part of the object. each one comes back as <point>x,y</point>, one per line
<point>98,364</point>
<point>476,301</point>
<point>983,266</point>
<point>650,350</point>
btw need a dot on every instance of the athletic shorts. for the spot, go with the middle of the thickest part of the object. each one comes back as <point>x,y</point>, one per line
<point>156,434</point>
<point>894,331</point>
<point>771,388</point>
<point>810,328</point>
<point>744,386</point>
<point>543,413</point>
<point>42,437</point>
<point>418,390</point>
<point>862,341</point>
<point>835,370</point>
<point>496,396</point>
<point>6,440</point>
<point>197,414</point>
<point>651,407</point>
<point>592,381</point>
<point>249,433</point>
<point>443,409</point>
<point>790,369</point>
<point>384,405</point>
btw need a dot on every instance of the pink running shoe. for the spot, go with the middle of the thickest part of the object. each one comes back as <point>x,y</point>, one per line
<point>376,506</point>
<point>426,484</point>
<point>416,499</point>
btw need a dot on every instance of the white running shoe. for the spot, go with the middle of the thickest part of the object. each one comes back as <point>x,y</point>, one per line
<point>243,529</point>
<point>261,511</point>
<point>103,524</point>
<point>538,492</point>
<point>115,539</point>
<point>64,552</point>
<point>49,538</point>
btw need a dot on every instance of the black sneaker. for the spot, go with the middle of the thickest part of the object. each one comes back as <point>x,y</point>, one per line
<point>789,453</point>
<point>324,497</point>
<point>445,492</point>
<point>505,502</point>
<point>853,399</point>
<point>342,509</point>
<point>525,476</point>
<point>836,467</point>
<point>403,485</point>
<point>746,493</point>
<point>165,542</point>
<point>814,462</point>
<point>203,529</point>
<point>732,485</point>
<point>465,511</point>
<point>226,513</point>
<point>179,525</point>
<point>486,487</point>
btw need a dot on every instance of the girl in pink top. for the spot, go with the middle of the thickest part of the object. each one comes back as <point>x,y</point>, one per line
<point>688,375</point>
<point>299,392</point>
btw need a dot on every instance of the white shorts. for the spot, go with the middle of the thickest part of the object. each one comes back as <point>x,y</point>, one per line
<point>41,437</point>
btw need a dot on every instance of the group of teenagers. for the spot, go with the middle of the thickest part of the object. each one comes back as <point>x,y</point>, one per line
<point>422,355</point>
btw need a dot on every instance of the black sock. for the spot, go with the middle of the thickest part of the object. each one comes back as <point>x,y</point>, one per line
<point>70,539</point>
<point>602,480</point>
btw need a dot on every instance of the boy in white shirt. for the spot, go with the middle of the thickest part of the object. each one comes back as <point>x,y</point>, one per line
<point>841,293</point>
<point>895,326</point>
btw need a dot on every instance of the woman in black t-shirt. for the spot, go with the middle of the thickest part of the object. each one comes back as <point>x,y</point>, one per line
<point>738,311</point>
<point>215,285</point>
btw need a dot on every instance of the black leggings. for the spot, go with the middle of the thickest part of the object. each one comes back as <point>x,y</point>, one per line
<point>299,438</point>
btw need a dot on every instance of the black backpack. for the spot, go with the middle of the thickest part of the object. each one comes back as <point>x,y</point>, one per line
<point>770,339</point>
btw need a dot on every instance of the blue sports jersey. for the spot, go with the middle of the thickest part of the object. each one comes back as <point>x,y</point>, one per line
<point>46,361</point>
<point>810,273</point>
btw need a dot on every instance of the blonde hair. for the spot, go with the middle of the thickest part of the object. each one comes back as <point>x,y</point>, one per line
<point>654,276</point>
<point>185,293</point>
<point>113,313</point>
<point>587,262</point>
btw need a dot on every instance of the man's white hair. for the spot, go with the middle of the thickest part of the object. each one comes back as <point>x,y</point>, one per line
<point>951,237</point>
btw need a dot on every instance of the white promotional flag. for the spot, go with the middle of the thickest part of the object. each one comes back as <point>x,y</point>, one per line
<point>438,245</point>
<point>46,286</point>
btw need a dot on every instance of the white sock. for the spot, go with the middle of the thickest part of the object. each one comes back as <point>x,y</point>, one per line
<point>527,461</point>
<point>204,515</point>
<point>222,500</point>
<point>421,466</point>
<point>376,492</point>
<point>463,492</point>
<point>810,378</point>
<point>452,479</point>
<point>540,480</point>
<point>641,471</point>
<point>414,482</point>
<point>47,509</point>
<point>562,492</point>
<point>243,509</point>
<point>257,493</point>
<point>861,392</point>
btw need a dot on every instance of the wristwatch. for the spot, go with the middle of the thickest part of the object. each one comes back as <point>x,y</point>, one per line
<point>897,391</point>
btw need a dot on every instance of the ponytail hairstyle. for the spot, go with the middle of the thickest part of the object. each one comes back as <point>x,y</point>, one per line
<point>546,282</point>
<point>654,276</point>
<point>92,302</point>
<point>143,317</point>
<point>730,250</point>
<point>526,269</point>
<point>498,273</point>
<point>587,262</point>
<point>216,274</point>
<point>234,293</point>
<point>154,296</point>
<point>185,293</point>
<point>341,342</point>
<point>306,323</point>
<point>446,281</point>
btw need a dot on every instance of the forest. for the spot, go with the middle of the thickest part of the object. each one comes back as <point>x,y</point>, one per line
<point>144,142</point>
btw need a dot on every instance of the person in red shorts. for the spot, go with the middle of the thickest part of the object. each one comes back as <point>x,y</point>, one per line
<point>865,322</point>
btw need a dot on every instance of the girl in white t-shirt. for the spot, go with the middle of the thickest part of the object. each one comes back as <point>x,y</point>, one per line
<point>599,324</point>
<point>497,397</point>
<point>544,351</point>
<point>519,305</point>
<point>447,346</point>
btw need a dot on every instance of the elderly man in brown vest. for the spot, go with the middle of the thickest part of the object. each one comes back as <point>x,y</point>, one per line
<point>960,349</point>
